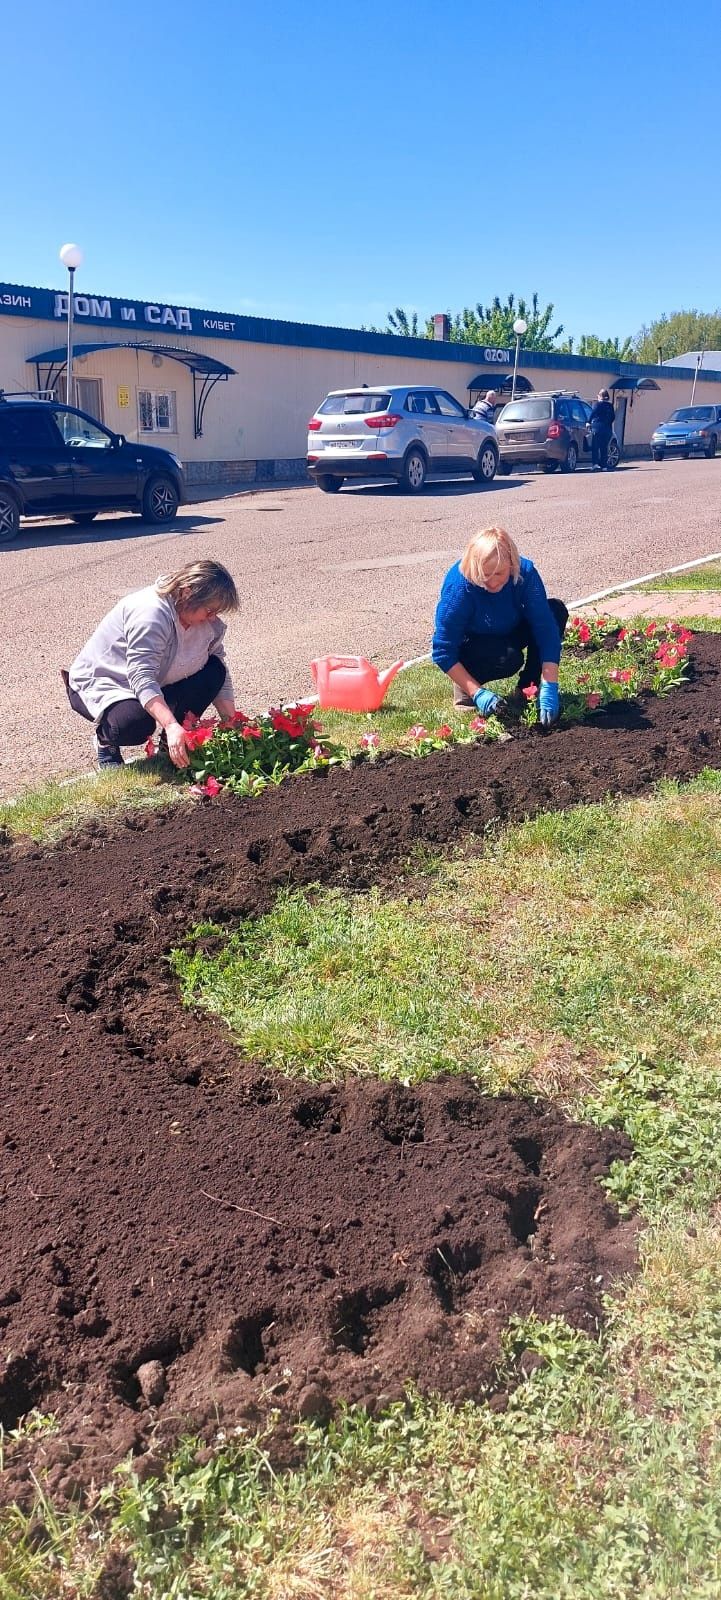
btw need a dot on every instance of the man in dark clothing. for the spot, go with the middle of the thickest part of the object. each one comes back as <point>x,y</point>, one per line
<point>602,419</point>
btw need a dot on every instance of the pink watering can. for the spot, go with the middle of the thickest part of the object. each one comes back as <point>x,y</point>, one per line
<point>350,683</point>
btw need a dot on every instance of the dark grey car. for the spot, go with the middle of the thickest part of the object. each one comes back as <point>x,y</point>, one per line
<point>548,429</point>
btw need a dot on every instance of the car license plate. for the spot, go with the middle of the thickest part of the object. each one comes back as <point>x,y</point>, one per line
<point>343,444</point>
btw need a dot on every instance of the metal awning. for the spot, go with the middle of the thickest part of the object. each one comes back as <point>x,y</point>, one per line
<point>502,385</point>
<point>205,370</point>
<point>634,383</point>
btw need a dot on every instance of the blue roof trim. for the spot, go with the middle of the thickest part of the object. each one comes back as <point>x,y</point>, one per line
<point>133,315</point>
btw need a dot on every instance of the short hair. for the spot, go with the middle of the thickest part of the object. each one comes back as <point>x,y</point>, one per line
<point>201,583</point>
<point>603,394</point>
<point>491,394</point>
<point>486,552</point>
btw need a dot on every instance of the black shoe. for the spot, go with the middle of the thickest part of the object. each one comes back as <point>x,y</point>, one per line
<point>107,755</point>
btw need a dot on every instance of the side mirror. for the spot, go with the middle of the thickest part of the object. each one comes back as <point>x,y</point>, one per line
<point>118,441</point>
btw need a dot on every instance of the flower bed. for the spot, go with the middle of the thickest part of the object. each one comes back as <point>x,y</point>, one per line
<point>604,662</point>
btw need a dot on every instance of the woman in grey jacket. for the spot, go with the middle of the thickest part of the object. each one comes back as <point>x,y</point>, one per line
<point>156,656</point>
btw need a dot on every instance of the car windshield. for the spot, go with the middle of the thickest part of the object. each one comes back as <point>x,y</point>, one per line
<point>692,414</point>
<point>349,405</point>
<point>526,411</point>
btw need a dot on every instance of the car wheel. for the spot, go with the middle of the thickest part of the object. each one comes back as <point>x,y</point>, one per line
<point>414,472</point>
<point>613,455</point>
<point>710,453</point>
<point>83,518</point>
<point>9,517</point>
<point>487,466</point>
<point>160,500</point>
<point>685,454</point>
<point>505,468</point>
<point>550,466</point>
<point>571,461</point>
<point>657,455</point>
<point>329,483</point>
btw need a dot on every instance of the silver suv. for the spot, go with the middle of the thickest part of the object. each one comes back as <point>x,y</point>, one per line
<point>550,429</point>
<point>402,432</point>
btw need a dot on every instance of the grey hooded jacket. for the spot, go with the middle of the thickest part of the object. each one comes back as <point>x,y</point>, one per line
<point>132,650</point>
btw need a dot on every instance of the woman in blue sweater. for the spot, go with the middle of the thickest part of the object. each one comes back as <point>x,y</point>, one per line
<point>493,619</point>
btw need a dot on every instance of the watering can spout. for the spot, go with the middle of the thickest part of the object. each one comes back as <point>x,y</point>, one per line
<point>385,679</point>
<point>350,683</point>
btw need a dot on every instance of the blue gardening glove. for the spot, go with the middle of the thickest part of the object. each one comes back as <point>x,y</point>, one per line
<point>486,702</point>
<point>549,704</point>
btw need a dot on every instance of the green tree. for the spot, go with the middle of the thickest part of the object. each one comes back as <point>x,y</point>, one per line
<point>590,344</point>
<point>677,333</point>
<point>492,324</point>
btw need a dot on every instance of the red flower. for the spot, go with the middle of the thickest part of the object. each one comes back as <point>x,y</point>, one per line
<point>285,724</point>
<point>190,720</point>
<point>200,734</point>
<point>212,786</point>
<point>622,634</point>
<point>149,748</point>
<point>444,732</point>
<point>615,675</point>
<point>626,676</point>
<point>530,691</point>
<point>252,731</point>
<point>593,700</point>
<point>584,633</point>
<point>418,731</point>
<point>478,725</point>
<point>651,630</point>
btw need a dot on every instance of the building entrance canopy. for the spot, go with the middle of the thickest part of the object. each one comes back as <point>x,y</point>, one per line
<point>205,370</point>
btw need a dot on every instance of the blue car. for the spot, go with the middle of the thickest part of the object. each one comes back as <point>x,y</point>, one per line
<point>692,429</point>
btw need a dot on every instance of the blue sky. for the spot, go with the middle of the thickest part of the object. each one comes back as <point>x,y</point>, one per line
<point>326,163</point>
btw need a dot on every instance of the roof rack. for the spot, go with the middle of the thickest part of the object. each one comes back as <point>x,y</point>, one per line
<point>26,394</point>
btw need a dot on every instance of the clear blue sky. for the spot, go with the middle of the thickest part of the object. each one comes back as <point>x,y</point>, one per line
<point>328,162</point>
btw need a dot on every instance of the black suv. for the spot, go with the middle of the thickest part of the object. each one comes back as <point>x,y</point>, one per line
<point>58,462</point>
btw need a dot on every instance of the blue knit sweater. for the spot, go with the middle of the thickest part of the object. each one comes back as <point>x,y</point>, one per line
<point>465,608</point>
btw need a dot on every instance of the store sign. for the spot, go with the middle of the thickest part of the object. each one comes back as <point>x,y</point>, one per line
<point>502,357</point>
<point>110,312</point>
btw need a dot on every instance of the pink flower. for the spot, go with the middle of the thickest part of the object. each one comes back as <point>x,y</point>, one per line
<point>593,700</point>
<point>530,691</point>
<point>207,790</point>
<point>317,749</point>
<point>418,731</point>
<point>627,675</point>
<point>478,725</point>
<point>615,675</point>
<point>444,732</point>
<point>149,748</point>
<point>370,740</point>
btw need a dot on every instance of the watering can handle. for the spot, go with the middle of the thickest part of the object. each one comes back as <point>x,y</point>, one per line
<point>346,661</point>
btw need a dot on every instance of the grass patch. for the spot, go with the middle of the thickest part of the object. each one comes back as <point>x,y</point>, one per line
<point>590,938</point>
<point>707,576</point>
<point>56,808</point>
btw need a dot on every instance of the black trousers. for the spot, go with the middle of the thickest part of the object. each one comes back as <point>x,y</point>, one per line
<point>600,441</point>
<point>486,657</point>
<point>126,722</point>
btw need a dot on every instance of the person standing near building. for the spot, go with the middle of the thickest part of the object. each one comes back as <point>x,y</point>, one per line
<point>602,419</point>
<point>486,409</point>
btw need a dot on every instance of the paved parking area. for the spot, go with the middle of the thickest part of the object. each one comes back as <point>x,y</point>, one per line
<point>357,572</point>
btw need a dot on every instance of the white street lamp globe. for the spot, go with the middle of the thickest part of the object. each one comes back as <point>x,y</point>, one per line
<point>520,327</point>
<point>71,256</point>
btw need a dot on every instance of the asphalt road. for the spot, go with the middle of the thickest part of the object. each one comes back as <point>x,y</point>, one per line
<point>354,573</point>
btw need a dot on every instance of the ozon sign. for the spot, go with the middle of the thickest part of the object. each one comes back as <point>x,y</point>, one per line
<point>503,357</point>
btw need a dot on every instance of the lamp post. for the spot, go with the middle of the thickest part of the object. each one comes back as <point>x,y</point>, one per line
<point>519,328</point>
<point>71,256</point>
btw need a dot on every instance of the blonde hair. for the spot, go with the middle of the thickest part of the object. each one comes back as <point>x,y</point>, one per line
<point>201,583</point>
<point>486,552</point>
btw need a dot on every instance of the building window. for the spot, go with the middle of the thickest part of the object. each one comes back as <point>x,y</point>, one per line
<point>156,411</point>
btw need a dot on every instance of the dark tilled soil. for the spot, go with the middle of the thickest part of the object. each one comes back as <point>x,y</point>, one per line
<point>185,1238</point>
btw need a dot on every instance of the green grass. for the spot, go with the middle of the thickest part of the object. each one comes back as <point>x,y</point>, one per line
<point>55,808</point>
<point>707,576</point>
